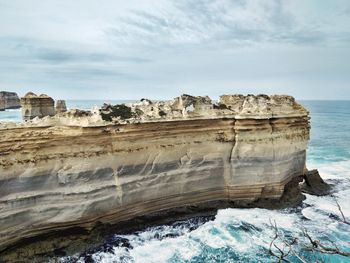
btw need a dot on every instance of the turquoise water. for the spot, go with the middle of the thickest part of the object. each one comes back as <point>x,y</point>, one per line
<point>244,235</point>
<point>330,131</point>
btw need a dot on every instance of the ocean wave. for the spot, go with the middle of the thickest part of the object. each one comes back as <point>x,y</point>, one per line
<point>242,235</point>
<point>13,110</point>
<point>236,235</point>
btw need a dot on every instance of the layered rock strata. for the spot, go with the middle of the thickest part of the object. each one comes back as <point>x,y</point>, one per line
<point>2,105</point>
<point>37,106</point>
<point>57,177</point>
<point>61,106</point>
<point>9,100</point>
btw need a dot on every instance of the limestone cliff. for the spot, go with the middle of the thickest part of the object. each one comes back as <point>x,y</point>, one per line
<point>9,100</point>
<point>60,176</point>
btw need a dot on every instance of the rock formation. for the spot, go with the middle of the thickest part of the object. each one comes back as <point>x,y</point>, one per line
<point>37,106</point>
<point>314,184</point>
<point>9,100</point>
<point>185,155</point>
<point>2,104</point>
<point>61,106</point>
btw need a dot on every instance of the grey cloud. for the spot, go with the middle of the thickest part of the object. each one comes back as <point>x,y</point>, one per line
<point>29,50</point>
<point>88,74</point>
<point>56,56</point>
<point>160,48</point>
<point>202,22</point>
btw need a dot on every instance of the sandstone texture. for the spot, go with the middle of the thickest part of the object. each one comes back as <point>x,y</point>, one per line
<point>77,169</point>
<point>2,104</point>
<point>61,106</point>
<point>37,106</point>
<point>9,100</point>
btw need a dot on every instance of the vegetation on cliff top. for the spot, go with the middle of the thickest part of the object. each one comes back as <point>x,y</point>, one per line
<point>108,112</point>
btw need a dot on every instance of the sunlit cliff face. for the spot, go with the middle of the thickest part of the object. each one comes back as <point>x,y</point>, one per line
<point>108,172</point>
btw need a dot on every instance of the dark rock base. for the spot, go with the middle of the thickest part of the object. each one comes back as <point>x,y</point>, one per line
<point>314,184</point>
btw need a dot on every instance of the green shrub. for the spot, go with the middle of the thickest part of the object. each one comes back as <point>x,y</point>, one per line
<point>162,113</point>
<point>119,110</point>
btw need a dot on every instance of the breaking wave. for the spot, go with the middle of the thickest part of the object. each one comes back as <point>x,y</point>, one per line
<point>240,235</point>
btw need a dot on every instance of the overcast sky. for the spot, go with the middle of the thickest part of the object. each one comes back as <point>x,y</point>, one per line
<point>114,49</point>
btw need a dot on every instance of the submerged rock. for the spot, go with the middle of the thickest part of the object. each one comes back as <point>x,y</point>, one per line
<point>314,185</point>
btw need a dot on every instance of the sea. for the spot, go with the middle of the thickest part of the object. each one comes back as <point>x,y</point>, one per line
<point>249,235</point>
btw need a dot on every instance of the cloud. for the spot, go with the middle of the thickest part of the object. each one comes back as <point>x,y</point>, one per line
<point>231,22</point>
<point>160,48</point>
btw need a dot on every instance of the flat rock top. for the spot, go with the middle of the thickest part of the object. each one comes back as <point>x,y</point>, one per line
<point>8,94</point>
<point>183,107</point>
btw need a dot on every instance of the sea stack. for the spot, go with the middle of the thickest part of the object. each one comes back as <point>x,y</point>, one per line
<point>37,106</point>
<point>61,106</point>
<point>2,105</point>
<point>9,100</point>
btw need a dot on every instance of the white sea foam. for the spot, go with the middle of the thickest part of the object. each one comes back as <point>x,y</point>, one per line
<point>244,235</point>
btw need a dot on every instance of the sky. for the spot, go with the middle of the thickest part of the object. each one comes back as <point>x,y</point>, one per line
<point>159,49</point>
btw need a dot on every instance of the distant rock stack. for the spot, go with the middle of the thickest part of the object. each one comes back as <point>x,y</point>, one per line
<point>2,104</point>
<point>61,106</point>
<point>9,100</point>
<point>37,106</point>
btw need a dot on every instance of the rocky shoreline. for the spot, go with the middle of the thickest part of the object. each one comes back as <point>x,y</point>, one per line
<point>66,177</point>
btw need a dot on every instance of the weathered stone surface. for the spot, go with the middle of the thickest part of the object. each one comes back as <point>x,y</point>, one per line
<point>37,106</point>
<point>262,106</point>
<point>57,177</point>
<point>9,100</point>
<point>61,106</point>
<point>313,184</point>
<point>2,104</point>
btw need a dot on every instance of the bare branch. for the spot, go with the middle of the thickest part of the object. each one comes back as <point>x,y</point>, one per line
<point>341,212</point>
<point>282,254</point>
<point>317,246</point>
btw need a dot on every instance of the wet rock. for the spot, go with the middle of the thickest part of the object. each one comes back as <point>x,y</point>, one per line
<point>314,185</point>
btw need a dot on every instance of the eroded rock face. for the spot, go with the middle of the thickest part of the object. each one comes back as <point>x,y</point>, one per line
<point>37,106</point>
<point>314,184</point>
<point>9,100</point>
<point>262,106</point>
<point>61,106</point>
<point>2,105</point>
<point>189,107</point>
<point>55,177</point>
